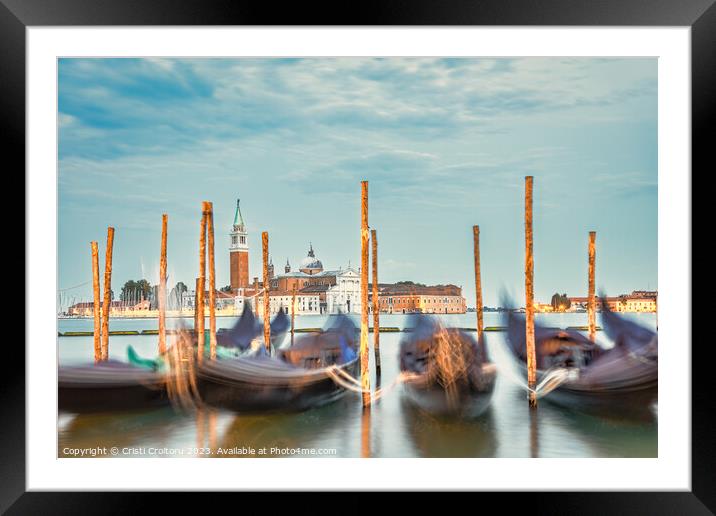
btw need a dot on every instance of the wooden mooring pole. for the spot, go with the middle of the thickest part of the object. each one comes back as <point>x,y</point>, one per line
<point>376,307</point>
<point>293,312</point>
<point>529,296</point>
<point>267,315</point>
<point>364,235</point>
<point>591,301</point>
<point>163,288</point>
<point>107,305</point>
<point>97,303</point>
<point>196,311</point>
<point>256,296</point>
<point>209,208</point>
<point>200,289</point>
<point>478,288</point>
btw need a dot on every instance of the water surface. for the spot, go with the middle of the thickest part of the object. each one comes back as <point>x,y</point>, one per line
<point>393,427</point>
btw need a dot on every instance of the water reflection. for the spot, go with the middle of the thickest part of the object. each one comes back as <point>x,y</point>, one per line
<point>449,437</point>
<point>128,429</point>
<point>607,437</point>
<point>534,433</point>
<point>365,433</point>
<point>317,428</point>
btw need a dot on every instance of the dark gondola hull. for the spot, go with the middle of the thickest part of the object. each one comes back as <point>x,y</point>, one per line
<point>636,404</point>
<point>633,402</point>
<point>469,401</point>
<point>102,388</point>
<point>269,388</point>
<point>619,382</point>
<point>110,399</point>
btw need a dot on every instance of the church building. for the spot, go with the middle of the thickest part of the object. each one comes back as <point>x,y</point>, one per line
<point>318,291</point>
<point>338,291</point>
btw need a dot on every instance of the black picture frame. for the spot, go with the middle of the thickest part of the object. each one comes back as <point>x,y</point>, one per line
<point>700,15</point>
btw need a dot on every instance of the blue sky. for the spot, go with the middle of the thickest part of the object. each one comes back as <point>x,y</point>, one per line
<point>444,144</point>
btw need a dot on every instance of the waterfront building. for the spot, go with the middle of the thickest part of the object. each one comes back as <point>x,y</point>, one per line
<point>637,304</point>
<point>637,301</point>
<point>408,297</point>
<point>86,309</point>
<point>579,304</point>
<point>338,291</point>
<point>306,303</point>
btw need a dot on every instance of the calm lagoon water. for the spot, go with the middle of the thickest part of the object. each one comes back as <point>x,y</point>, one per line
<point>393,429</point>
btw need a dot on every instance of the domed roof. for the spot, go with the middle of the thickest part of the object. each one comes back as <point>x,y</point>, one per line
<point>310,261</point>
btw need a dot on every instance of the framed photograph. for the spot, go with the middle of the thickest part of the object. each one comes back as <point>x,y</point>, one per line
<point>427,248</point>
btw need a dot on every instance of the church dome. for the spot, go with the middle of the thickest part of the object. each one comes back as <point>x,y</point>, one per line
<point>310,263</point>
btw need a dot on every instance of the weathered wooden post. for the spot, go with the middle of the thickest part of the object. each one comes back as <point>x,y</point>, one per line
<point>162,302</point>
<point>106,307</point>
<point>196,310</point>
<point>376,308</point>
<point>529,296</point>
<point>478,289</point>
<point>209,208</point>
<point>364,371</point>
<point>293,312</point>
<point>267,317</point>
<point>591,301</point>
<point>200,289</point>
<point>256,296</point>
<point>95,291</point>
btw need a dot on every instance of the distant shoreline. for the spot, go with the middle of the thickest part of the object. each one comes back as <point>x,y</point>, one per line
<point>191,316</point>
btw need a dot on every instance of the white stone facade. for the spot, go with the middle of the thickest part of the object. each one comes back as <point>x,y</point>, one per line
<point>305,304</point>
<point>344,296</point>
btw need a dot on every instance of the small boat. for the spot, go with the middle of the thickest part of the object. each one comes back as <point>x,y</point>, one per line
<point>297,378</point>
<point>237,340</point>
<point>110,385</point>
<point>140,383</point>
<point>620,381</point>
<point>628,333</point>
<point>449,373</point>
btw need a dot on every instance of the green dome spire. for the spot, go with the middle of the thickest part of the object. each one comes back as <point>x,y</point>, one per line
<point>238,219</point>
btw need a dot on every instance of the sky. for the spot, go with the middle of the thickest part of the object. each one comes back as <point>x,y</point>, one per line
<point>444,143</point>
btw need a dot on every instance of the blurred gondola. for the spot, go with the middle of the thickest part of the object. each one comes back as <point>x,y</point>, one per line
<point>620,381</point>
<point>295,379</point>
<point>110,385</point>
<point>450,372</point>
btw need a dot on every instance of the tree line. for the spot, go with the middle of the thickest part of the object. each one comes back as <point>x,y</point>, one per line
<point>560,302</point>
<point>134,291</point>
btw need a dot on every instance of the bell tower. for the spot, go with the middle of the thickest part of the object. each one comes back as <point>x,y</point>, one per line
<point>239,252</point>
